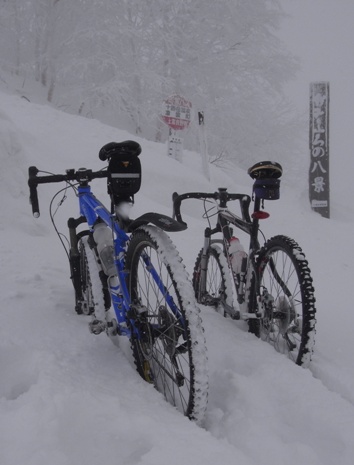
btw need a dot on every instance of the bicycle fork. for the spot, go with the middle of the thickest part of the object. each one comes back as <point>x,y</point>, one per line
<point>74,261</point>
<point>203,296</point>
<point>203,267</point>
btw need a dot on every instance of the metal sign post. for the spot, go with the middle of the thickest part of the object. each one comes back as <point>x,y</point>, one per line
<point>175,145</point>
<point>203,144</point>
<point>319,148</point>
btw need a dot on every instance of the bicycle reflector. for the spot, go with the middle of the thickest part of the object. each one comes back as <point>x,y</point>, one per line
<point>260,215</point>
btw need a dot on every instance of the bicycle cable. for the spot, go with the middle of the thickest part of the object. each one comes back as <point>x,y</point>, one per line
<point>264,238</point>
<point>52,214</point>
<point>206,213</point>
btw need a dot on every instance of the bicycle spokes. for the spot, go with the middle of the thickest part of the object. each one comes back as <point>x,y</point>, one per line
<point>163,337</point>
<point>287,299</point>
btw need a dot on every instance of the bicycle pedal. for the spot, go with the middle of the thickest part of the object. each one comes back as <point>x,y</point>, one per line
<point>97,326</point>
<point>112,328</point>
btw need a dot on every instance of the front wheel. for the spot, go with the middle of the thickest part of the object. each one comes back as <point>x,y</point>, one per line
<point>168,341</point>
<point>287,299</point>
<point>215,290</point>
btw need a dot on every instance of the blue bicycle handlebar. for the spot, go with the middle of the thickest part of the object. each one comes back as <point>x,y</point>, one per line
<point>82,175</point>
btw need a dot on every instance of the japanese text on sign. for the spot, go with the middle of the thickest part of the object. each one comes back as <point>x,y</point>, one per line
<point>177,112</point>
<point>319,147</point>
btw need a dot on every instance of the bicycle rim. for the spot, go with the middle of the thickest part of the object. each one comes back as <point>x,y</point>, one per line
<point>164,352</point>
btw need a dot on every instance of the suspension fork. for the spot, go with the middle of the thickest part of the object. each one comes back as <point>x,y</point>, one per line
<point>74,255</point>
<point>203,263</point>
<point>204,260</point>
<point>240,279</point>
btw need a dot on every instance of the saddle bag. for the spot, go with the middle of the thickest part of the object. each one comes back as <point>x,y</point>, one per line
<point>267,183</point>
<point>124,170</point>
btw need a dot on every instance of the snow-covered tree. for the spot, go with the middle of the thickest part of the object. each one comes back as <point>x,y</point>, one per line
<point>116,60</point>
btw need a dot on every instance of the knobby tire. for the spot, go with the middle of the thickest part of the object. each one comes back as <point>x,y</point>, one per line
<point>170,351</point>
<point>217,289</point>
<point>287,292</point>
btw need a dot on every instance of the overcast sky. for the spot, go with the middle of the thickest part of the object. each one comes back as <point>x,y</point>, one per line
<point>321,33</point>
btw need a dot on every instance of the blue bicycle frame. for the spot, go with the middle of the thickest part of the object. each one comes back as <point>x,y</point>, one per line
<point>134,290</point>
<point>92,209</point>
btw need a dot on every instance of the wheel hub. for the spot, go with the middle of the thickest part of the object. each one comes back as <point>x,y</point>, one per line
<point>285,313</point>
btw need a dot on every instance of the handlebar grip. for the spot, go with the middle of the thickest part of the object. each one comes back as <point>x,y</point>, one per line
<point>176,207</point>
<point>177,200</point>
<point>32,183</point>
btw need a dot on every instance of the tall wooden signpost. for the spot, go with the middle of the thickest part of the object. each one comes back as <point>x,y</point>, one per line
<point>319,148</point>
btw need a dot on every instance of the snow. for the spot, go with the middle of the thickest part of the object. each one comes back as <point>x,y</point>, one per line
<point>68,397</point>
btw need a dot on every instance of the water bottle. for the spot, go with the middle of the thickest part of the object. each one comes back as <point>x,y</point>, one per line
<point>237,255</point>
<point>103,238</point>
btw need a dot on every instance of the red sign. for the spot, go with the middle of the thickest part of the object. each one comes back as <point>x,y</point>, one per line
<point>176,112</point>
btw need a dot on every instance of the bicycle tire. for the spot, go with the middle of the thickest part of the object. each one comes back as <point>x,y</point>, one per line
<point>218,287</point>
<point>287,293</point>
<point>93,294</point>
<point>171,351</point>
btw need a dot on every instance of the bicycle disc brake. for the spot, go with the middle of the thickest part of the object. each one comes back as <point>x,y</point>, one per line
<point>285,313</point>
<point>145,341</point>
<point>279,316</point>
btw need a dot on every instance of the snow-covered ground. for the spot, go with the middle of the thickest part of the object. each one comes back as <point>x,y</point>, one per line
<point>70,398</point>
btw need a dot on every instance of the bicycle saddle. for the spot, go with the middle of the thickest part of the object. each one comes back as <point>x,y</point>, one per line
<point>128,147</point>
<point>266,170</point>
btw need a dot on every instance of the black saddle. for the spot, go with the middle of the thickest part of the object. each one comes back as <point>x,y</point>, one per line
<point>266,170</point>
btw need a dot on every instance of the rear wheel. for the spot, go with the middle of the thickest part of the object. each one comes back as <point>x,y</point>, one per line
<point>217,290</point>
<point>288,300</point>
<point>168,344</point>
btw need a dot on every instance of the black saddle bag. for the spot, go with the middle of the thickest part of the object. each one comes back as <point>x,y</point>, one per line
<point>124,169</point>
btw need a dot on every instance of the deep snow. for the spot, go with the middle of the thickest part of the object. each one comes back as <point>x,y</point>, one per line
<point>68,397</point>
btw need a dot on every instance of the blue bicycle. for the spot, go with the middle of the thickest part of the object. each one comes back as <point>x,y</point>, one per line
<point>128,276</point>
